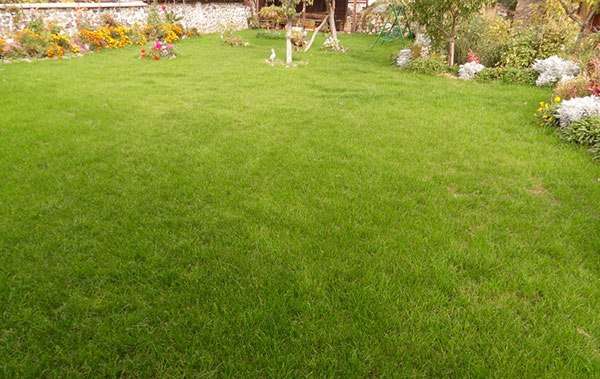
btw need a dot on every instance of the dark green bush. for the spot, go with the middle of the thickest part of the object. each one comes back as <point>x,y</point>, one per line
<point>270,34</point>
<point>511,75</point>
<point>585,132</point>
<point>431,65</point>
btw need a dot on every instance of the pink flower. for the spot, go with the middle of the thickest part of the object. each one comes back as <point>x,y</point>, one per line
<point>157,45</point>
<point>170,46</point>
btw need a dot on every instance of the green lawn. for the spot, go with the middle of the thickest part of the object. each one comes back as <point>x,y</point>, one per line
<point>216,216</point>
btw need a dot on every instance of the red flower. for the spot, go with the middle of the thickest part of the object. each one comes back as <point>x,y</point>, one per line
<point>472,57</point>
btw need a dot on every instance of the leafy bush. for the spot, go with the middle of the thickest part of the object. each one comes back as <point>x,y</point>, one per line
<point>273,15</point>
<point>38,40</point>
<point>576,109</point>
<point>486,36</point>
<point>510,75</point>
<point>434,64</point>
<point>270,34</point>
<point>163,26</point>
<point>554,69</point>
<point>468,70</point>
<point>585,132</point>
<point>229,37</point>
<point>403,58</point>
<point>548,32</point>
<point>569,89</point>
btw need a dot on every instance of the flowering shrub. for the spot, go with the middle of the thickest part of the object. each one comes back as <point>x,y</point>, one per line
<point>333,44</point>
<point>546,112</point>
<point>578,108</point>
<point>418,50</point>
<point>554,69</point>
<point>40,39</point>
<point>487,35</point>
<point>468,70</point>
<point>163,25</point>
<point>158,50</point>
<point>576,120</point>
<point>472,57</point>
<point>569,89</point>
<point>112,37</point>
<point>403,58</point>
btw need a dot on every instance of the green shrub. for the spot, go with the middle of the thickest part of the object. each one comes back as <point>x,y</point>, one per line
<point>486,36</point>
<point>270,34</point>
<point>510,75</point>
<point>585,132</point>
<point>547,33</point>
<point>434,64</point>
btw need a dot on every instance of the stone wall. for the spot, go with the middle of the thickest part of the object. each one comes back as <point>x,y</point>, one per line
<point>207,18</point>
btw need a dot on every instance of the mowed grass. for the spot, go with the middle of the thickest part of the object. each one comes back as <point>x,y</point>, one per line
<point>216,216</point>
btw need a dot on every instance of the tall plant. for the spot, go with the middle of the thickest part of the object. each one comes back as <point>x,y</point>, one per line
<point>442,19</point>
<point>582,12</point>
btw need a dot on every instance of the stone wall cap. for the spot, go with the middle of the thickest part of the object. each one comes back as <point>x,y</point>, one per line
<point>127,4</point>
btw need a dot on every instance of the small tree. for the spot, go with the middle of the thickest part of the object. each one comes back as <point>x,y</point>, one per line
<point>334,42</point>
<point>442,18</point>
<point>289,10</point>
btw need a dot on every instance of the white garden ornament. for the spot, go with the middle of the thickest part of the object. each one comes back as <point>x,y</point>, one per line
<point>468,70</point>
<point>554,69</point>
<point>578,108</point>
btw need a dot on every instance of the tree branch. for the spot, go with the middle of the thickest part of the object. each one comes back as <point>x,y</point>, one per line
<point>314,36</point>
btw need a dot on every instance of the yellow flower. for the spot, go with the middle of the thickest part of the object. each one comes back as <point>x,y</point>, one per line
<point>557,99</point>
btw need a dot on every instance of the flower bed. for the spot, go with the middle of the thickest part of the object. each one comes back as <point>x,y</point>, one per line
<point>40,39</point>
<point>576,120</point>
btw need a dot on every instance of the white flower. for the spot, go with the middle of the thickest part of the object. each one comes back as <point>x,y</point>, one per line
<point>333,44</point>
<point>403,58</point>
<point>468,70</point>
<point>554,69</point>
<point>575,109</point>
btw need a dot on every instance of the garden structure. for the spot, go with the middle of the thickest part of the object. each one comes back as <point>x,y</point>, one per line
<point>313,13</point>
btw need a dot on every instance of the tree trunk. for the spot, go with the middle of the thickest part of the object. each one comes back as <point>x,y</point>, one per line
<point>331,12</point>
<point>288,42</point>
<point>451,51</point>
<point>315,32</point>
<point>452,43</point>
